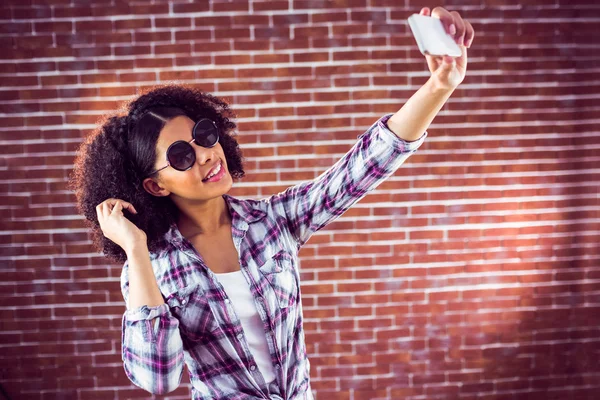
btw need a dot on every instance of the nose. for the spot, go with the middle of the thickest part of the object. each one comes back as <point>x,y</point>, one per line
<point>205,155</point>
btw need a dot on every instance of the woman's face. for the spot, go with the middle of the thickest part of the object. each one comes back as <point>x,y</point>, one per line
<point>190,184</point>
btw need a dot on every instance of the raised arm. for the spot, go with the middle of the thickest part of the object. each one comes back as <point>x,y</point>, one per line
<point>152,350</point>
<point>309,206</point>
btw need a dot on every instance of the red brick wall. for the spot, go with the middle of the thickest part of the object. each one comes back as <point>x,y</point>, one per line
<point>473,270</point>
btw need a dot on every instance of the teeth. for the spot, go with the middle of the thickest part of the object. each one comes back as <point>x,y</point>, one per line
<point>216,171</point>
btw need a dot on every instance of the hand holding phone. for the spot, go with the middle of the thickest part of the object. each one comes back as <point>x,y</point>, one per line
<point>431,37</point>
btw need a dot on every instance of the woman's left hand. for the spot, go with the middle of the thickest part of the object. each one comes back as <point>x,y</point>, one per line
<point>448,72</point>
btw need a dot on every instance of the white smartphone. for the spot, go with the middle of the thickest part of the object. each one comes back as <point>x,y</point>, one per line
<point>431,36</point>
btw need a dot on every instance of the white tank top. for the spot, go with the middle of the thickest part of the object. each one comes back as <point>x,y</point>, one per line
<point>238,291</point>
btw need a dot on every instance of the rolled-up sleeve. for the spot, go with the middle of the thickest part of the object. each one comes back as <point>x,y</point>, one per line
<point>151,346</point>
<point>311,205</point>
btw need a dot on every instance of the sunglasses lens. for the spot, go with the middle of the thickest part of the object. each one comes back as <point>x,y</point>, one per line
<point>181,156</point>
<point>206,133</point>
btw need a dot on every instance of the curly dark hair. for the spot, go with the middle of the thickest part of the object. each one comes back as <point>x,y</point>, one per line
<point>120,153</point>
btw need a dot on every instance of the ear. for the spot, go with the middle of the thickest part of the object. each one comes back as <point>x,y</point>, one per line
<point>154,188</point>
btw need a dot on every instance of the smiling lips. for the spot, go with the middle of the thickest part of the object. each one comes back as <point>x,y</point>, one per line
<point>216,172</point>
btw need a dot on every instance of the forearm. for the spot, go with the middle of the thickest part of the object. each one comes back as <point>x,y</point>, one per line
<point>152,349</point>
<point>418,112</point>
<point>143,289</point>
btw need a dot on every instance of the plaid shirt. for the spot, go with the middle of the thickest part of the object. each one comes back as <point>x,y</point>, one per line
<point>198,325</point>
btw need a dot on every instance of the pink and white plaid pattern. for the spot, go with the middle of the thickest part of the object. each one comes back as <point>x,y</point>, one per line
<point>198,326</point>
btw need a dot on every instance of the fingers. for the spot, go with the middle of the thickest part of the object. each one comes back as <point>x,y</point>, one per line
<point>107,206</point>
<point>112,202</point>
<point>461,30</point>
<point>448,62</point>
<point>425,11</point>
<point>469,34</point>
<point>117,208</point>
<point>446,18</point>
<point>105,209</point>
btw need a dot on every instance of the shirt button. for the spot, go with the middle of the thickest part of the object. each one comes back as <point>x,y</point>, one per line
<point>183,301</point>
<point>253,368</point>
<point>239,336</point>
<point>227,301</point>
<point>278,366</point>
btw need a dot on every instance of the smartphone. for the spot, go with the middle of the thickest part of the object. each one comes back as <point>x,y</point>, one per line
<point>431,37</point>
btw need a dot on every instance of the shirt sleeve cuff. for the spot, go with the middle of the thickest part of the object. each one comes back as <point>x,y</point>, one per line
<point>394,140</point>
<point>146,313</point>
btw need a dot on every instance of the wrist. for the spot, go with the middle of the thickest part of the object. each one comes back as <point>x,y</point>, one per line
<point>135,246</point>
<point>434,87</point>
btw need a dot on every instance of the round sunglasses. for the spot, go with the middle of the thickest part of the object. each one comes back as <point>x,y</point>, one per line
<point>181,155</point>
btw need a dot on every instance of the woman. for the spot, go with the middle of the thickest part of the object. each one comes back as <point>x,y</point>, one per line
<point>211,280</point>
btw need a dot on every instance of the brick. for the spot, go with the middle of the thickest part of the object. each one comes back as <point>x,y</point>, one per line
<point>227,6</point>
<point>280,31</point>
<point>318,18</point>
<point>502,193</point>
<point>16,27</point>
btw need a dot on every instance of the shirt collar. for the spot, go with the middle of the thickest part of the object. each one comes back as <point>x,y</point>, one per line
<point>245,210</point>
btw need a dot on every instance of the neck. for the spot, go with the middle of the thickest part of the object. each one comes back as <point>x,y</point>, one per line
<point>206,218</point>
